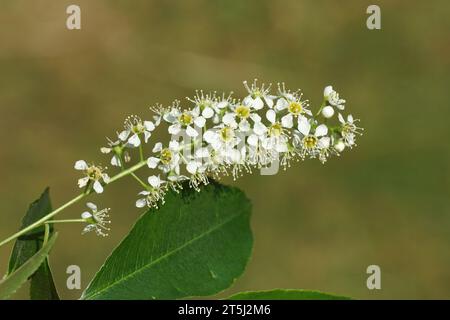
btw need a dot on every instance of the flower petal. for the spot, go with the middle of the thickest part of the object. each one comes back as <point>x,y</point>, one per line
<point>191,132</point>
<point>83,182</point>
<point>303,126</point>
<point>281,104</point>
<point>152,162</point>
<point>91,206</point>
<point>86,215</point>
<point>208,113</point>
<point>98,187</point>
<point>154,181</point>
<point>134,140</point>
<point>321,130</point>
<point>287,121</point>
<point>271,116</point>
<point>149,126</point>
<point>81,165</point>
<point>140,203</point>
<point>192,167</point>
<point>200,122</point>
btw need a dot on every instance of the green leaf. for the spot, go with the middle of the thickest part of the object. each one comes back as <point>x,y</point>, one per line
<point>196,244</point>
<point>285,294</point>
<point>42,284</point>
<point>14,281</point>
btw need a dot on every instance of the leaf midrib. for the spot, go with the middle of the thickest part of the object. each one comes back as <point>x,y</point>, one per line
<point>164,256</point>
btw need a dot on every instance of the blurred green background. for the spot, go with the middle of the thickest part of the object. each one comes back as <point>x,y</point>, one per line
<point>316,226</point>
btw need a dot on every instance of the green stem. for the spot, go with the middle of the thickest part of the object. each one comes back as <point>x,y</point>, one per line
<point>46,234</point>
<point>64,221</point>
<point>140,181</point>
<point>141,152</point>
<point>321,107</point>
<point>68,204</point>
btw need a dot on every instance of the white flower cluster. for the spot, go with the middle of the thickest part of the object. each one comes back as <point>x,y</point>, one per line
<point>219,135</point>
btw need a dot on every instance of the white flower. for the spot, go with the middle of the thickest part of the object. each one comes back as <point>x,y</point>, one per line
<point>169,158</point>
<point>276,138</point>
<point>349,130</point>
<point>333,98</point>
<point>117,148</point>
<point>221,138</point>
<point>206,103</point>
<point>311,143</point>
<point>96,220</point>
<point>257,96</point>
<point>94,174</point>
<point>242,113</point>
<point>154,194</point>
<point>292,102</point>
<point>185,120</point>
<point>135,130</point>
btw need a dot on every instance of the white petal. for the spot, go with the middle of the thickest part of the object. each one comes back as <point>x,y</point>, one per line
<point>271,116</point>
<point>228,119</point>
<point>152,162</point>
<point>350,118</point>
<point>134,140</point>
<point>209,136</point>
<point>174,129</point>
<point>174,145</point>
<point>202,153</point>
<point>341,118</point>
<point>287,121</point>
<point>157,147</point>
<point>324,142</point>
<point>192,167</point>
<point>327,91</point>
<point>200,122</point>
<point>154,181</point>
<point>91,206</point>
<point>281,104</point>
<point>81,165</point>
<point>98,187</point>
<point>191,132</point>
<point>106,178</point>
<point>83,182</point>
<point>147,135</point>
<point>244,126</point>
<point>115,161</point>
<point>124,135</point>
<point>105,150</point>
<point>140,203</point>
<point>269,101</point>
<point>321,130</point>
<point>304,126</point>
<point>253,140</point>
<point>259,128</point>
<point>86,215</point>
<point>149,126</point>
<point>207,112</point>
<point>144,193</point>
<point>257,103</point>
<point>281,147</point>
<point>255,117</point>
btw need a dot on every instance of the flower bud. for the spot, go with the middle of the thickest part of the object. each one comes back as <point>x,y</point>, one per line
<point>339,146</point>
<point>328,112</point>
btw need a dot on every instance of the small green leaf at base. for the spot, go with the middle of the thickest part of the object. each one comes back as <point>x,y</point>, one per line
<point>285,294</point>
<point>14,281</point>
<point>42,284</point>
<point>196,244</point>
